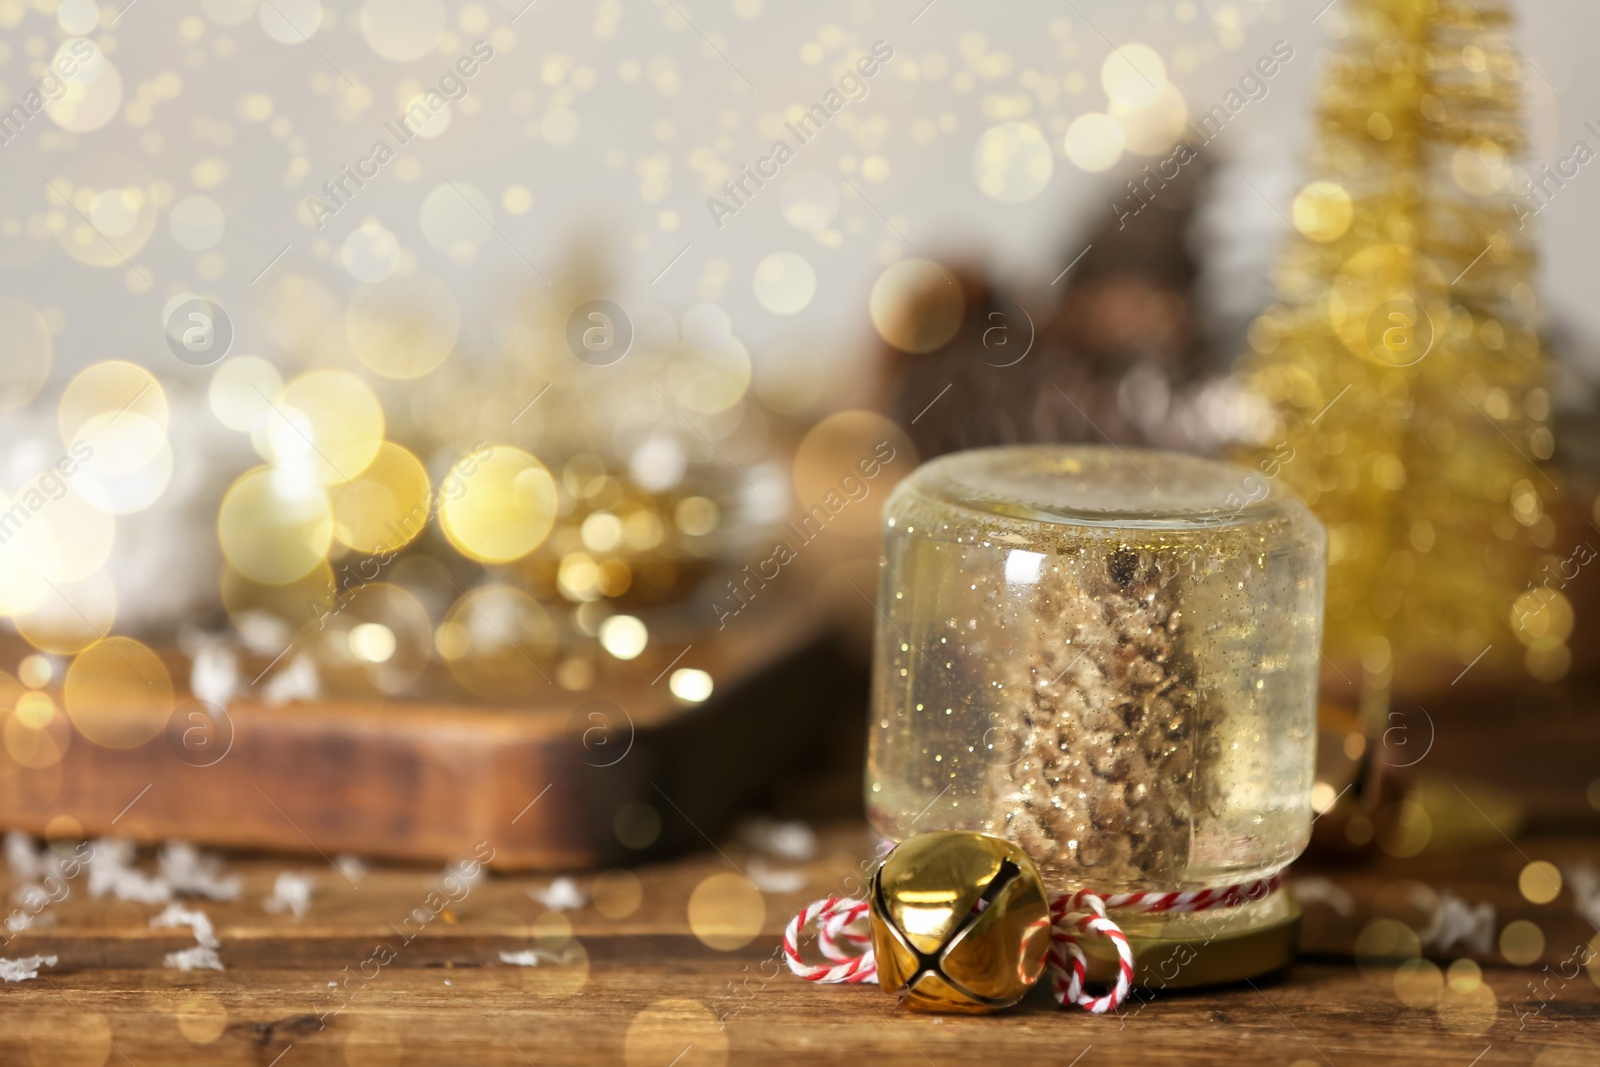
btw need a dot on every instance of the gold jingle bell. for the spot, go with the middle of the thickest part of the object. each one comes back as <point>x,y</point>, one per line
<point>960,922</point>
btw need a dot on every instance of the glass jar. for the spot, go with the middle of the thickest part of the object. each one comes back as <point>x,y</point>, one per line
<point>1108,656</point>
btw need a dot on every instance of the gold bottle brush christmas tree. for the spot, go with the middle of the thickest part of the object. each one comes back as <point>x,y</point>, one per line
<point>1402,362</point>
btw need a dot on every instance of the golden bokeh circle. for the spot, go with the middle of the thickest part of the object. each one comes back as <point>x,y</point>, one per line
<point>327,421</point>
<point>299,604</point>
<point>1418,983</point>
<point>1133,75</point>
<point>118,693</point>
<point>385,506</point>
<point>1464,975</point>
<point>1540,882</point>
<point>1542,618</point>
<point>403,328</point>
<point>845,466</point>
<point>726,911</point>
<point>72,617</point>
<point>501,504</point>
<point>916,306</point>
<point>10,691</point>
<point>35,672</point>
<point>784,283</point>
<point>35,734</point>
<point>22,586</point>
<point>710,369</point>
<point>1376,276</point>
<point>1522,942</point>
<point>1408,832</point>
<point>78,535</point>
<point>498,642</point>
<point>111,208</point>
<point>275,525</point>
<point>1323,210</point>
<point>114,389</point>
<point>202,1018</point>
<point>63,828</point>
<point>1094,142</point>
<point>1154,129</point>
<point>1469,1012</point>
<point>682,1032</point>
<point>127,464</point>
<point>379,639</point>
<point>242,392</point>
<point>1012,162</point>
<point>616,894</point>
<point>25,340</point>
<point>1382,945</point>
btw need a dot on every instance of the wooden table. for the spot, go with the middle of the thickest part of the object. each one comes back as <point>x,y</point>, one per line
<point>689,977</point>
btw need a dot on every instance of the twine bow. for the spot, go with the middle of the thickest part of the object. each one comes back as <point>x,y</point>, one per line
<point>1073,917</point>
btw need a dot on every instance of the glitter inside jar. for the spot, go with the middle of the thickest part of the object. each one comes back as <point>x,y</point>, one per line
<point>1109,657</point>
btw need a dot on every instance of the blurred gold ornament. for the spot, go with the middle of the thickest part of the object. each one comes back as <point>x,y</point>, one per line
<point>960,922</point>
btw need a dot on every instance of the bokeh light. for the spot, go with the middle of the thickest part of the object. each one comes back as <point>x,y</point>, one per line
<point>616,894</point>
<point>690,685</point>
<point>275,525</point>
<point>1539,882</point>
<point>834,460</point>
<point>1522,942</point>
<point>1094,142</point>
<point>111,390</point>
<point>498,642</point>
<point>726,911</point>
<point>243,391</point>
<point>1012,162</point>
<point>386,506</point>
<point>711,369</point>
<point>498,504</point>
<point>455,219</point>
<point>73,616</point>
<point>809,201</point>
<point>118,693</point>
<point>624,636</point>
<point>674,1028</point>
<point>402,30</point>
<point>916,306</point>
<point>1323,210</point>
<point>1133,75</point>
<point>403,328</point>
<point>784,283</point>
<point>325,422</point>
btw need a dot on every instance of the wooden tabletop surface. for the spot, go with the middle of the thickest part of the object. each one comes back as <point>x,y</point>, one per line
<point>674,965</point>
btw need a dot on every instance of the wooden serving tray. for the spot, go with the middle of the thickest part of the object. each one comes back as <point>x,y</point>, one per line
<point>544,784</point>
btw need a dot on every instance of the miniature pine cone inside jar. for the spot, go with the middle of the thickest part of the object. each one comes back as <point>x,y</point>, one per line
<point>960,922</point>
<point>1113,749</point>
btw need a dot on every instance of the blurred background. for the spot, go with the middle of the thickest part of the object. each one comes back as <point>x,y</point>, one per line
<point>405,360</point>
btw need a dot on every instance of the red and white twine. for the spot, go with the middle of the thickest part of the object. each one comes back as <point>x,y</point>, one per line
<point>1073,917</point>
<point>832,914</point>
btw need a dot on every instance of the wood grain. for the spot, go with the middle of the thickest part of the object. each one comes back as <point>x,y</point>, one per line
<point>642,989</point>
<point>415,780</point>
